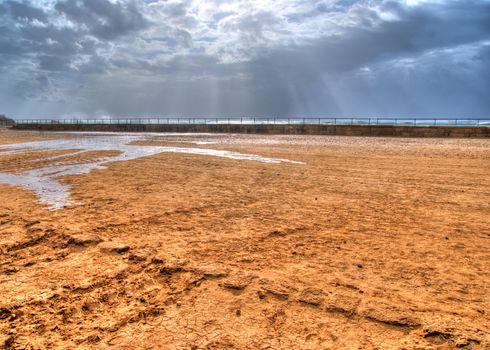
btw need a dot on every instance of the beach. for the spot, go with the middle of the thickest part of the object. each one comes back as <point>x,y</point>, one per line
<point>250,242</point>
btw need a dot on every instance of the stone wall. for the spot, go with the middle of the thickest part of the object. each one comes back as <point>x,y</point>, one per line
<point>345,130</point>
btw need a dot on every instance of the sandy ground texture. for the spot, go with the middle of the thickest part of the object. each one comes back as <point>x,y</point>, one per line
<point>372,243</point>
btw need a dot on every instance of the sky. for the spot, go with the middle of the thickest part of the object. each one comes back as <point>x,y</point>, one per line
<point>238,58</point>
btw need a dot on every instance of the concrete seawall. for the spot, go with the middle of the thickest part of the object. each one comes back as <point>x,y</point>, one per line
<point>297,129</point>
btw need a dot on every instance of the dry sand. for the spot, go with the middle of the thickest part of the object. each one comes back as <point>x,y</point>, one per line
<point>373,243</point>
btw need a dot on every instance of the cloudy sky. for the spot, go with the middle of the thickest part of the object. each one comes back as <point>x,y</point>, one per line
<point>96,58</point>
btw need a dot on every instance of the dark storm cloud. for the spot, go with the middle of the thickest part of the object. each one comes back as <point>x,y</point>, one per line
<point>34,88</point>
<point>21,11</point>
<point>313,68</point>
<point>104,19</point>
<point>54,47</point>
<point>418,30</point>
<point>484,56</point>
<point>284,58</point>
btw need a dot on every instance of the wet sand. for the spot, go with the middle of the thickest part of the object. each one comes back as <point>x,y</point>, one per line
<point>372,243</point>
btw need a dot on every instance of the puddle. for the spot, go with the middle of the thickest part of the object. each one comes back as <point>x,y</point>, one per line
<point>55,195</point>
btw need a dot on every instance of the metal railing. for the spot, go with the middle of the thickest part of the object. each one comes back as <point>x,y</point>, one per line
<point>268,120</point>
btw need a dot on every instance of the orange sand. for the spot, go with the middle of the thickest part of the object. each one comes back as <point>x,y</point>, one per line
<point>373,243</point>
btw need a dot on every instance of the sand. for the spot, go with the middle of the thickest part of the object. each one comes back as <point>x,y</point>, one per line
<point>372,243</point>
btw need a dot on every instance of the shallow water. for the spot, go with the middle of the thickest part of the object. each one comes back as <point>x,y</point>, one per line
<point>51,192</point>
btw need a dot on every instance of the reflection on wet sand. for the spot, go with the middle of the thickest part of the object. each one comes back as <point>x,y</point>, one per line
<point>43,181</point>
